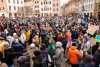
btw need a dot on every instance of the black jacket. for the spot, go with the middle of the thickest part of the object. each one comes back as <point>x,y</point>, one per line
<point>97,57</point>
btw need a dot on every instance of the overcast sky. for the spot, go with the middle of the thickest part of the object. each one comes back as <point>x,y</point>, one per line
<point>63,2</point>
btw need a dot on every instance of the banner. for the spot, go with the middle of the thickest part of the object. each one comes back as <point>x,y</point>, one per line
<point>97,38</point>
<point>92,29</point>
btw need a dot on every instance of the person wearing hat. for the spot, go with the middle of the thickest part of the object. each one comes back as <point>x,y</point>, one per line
<point>74,55</point>
<point>59,55</point>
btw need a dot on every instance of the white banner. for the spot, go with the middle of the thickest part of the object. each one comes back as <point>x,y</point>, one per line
<point>92,29</point>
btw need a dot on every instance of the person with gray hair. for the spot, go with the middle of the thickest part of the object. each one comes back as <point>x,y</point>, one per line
<point>59,55</point>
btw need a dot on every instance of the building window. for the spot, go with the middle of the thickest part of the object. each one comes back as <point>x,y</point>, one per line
<point>17,1</point>
<point>37,1</point>
<point>99,6</point>
<point>46,2</point>
<point>21,2</point>
<point>49,2</point>
<point>1,0</point>
<point>15,14</point>
<point>41,3</point>
<point>14,8</point>
<point>42,14</point>
<point>46,14</point>
<point>46,9</point>
<point>53,4</point>
<point>50,8</point>
<point>14,1</point>
<point>57,9</point>
<point>10,14</point>
<point>37,11</point>
<point>54,9</point>
<point>57,4</point>
<point>37,6</point>
<point>22,9</point>
<point>18,8</point>
<point>91,6</point>
<point>50,14</point>
<point>9,1</point>
<point>9,7</point>
<point>41,9</point>
<point>27,0</point>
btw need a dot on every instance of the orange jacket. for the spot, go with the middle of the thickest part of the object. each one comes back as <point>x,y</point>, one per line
<point>68,36</point>
<point>74,55</point>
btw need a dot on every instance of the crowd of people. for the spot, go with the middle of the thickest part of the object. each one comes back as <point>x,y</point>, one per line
<point>50,43</point>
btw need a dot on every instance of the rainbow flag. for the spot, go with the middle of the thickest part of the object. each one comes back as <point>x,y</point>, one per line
<point>97,38</point>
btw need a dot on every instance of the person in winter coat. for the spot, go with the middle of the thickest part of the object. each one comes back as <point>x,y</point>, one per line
<point>44,55</point>
<point>59,55</point>
<point>60,36</point>
<point>68,35</point>
<point>88,60</point>
<point>97,57</point>
<point>10,39</point>
<point>74,55</point>
<point>74,35</point>
<point>94,48</point>
<point>37,40</point>
<point>32,45</point>
<point>51,48</point>
<point>24,61</point>
<point>16,45</point>
<point>68,38</point>
<point>44,34</point>
<point>1,63</point>
<point>27,33</point>
<point>87,43</point>
<point>23,38</point>
<point>37,59</point>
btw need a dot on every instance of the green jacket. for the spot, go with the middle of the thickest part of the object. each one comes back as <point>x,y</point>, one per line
<point>51,49</point>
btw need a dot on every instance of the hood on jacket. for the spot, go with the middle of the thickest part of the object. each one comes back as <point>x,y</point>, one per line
<point>58,44</point>
<point>73,47</point>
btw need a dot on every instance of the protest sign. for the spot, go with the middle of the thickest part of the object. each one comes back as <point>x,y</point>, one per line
<point>92,29</point>
<point>97,38</point>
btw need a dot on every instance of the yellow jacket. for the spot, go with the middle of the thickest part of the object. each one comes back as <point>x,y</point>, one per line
<point>27,35</point>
